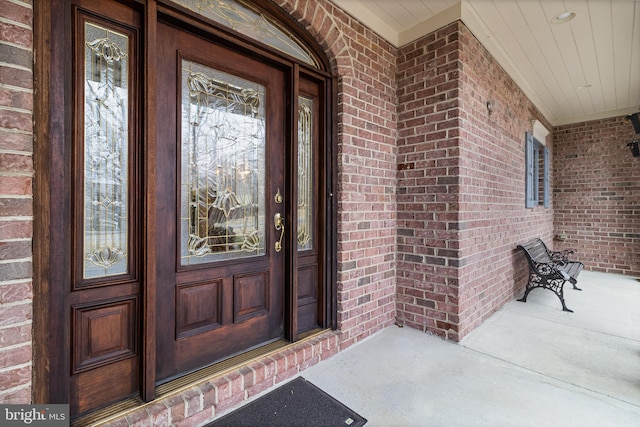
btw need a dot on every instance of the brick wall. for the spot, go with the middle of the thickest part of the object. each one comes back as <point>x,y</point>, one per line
<point>597,194</point>
<point>16,208</point>
<point>428,182</point>
<point>493,218</point>
<point>460,184</point>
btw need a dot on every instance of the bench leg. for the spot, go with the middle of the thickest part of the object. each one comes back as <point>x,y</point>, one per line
<point>553,287</point>
<point>564,306</point>
<point>573,282</point>
<point>557,286</point>
<point>526,292</point>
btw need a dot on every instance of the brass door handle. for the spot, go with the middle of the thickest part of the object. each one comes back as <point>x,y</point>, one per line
<point>278,221</point>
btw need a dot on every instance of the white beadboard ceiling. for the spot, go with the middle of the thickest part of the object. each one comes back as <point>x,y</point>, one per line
<point>586,69</point>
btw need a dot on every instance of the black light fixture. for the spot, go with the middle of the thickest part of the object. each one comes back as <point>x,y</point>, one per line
<point>489,107</point>
<point>635,121</point>
<point>635,148</point>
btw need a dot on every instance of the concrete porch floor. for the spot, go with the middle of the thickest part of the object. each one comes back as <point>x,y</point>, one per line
<point>530,364</point>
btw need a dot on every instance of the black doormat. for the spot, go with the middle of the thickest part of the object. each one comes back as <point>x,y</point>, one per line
<point>297,403</point>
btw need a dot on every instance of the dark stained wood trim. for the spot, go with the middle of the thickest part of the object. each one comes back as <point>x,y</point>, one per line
<point>51,200</point>
<point>149,191</point>
<point>331,213</point>
<point>41,200</point>
<point>291,200</point>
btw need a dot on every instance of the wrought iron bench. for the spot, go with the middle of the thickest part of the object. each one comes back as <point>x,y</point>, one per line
<point>550,269</point>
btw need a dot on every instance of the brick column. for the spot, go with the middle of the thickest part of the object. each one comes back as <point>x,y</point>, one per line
<point>428,182</point>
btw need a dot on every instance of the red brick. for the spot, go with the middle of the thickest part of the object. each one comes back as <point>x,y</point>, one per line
<point>285,375</point>
<point>15,141</point>
<point>236,383</point>
<point>193,401</point>
<point>16,35</point>
<point>224,405</point>
<point>16,229</point>
<point>196,419</point>
<point>15,77</point>
<point>177,405</point>
<point>15,377</point>
<point>208,391</point>
<point>16,12</point>
<point>437,73</point>
<point>15,292</point>
<point>16,163</point>
<point>16,120</point>
<point>20,396</point>
<point>15,356</point>
<point>14,335</point>
<point>138,418</point>
<point>16,99</point>
<point>16,185</point>
<point>259,387</point>
<point>158,414</point>
<point>222,387</point>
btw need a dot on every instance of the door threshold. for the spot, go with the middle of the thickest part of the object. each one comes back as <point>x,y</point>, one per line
<point>187,381</point>
<point>230,364</point>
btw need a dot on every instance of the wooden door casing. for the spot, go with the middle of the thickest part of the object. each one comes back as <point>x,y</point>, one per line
<point>88,332</point>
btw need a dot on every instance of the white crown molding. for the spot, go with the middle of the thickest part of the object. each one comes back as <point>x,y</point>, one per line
<point>432,24</point>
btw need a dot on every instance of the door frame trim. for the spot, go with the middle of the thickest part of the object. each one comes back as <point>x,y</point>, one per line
<point>43,27</point>
<point>51,131</point>
<point>149,258</point>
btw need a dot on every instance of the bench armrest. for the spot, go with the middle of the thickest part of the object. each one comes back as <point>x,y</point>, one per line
<point>561,257</point>
<point>550,269</point>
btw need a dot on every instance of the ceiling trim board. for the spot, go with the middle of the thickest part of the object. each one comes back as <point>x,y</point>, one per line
<point>370,20</point>
<point>595,116</point>
<point>432,24</point>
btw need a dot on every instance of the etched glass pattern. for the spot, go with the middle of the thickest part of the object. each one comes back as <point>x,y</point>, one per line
<point>223,166</point>
<point>106,144</point>
<point>305,173</point>
<point>240,17</point>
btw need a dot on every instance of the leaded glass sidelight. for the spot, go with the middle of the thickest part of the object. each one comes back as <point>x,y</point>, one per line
<point>222,166</point>
<point>305,173</point>
<point>106,146</point>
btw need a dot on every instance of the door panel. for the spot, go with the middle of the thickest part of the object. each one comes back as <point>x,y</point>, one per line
<point>220,281</point>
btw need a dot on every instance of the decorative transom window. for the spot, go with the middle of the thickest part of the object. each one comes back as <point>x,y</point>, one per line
<point>243,18</point>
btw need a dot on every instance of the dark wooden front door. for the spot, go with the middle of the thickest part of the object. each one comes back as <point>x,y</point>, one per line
<point>220,190</point>
<point>184,199</point>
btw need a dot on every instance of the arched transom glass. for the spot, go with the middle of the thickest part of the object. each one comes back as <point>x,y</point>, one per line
<point>242,18</point>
